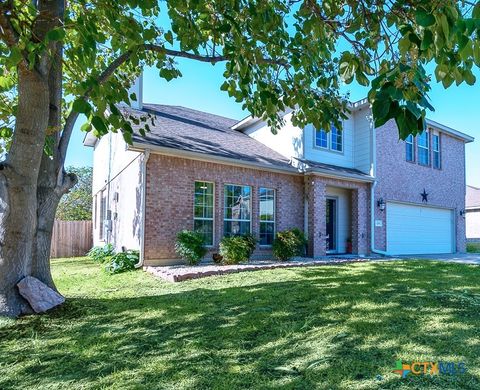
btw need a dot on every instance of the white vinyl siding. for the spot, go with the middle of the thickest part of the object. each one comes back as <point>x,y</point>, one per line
<point>413,229</point>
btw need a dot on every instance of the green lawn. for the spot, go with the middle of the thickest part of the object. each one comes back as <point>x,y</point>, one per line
<point>333,327</point>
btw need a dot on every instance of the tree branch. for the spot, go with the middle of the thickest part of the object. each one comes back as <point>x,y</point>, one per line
<point>119,61</point>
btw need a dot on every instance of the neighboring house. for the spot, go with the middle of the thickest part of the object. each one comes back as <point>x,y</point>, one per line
<point>357,188</point>
<point>472,215</point>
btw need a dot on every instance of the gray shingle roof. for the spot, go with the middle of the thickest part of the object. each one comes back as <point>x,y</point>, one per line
<point>195,131</point>
<point>473,197</point>
<point>334,169</point>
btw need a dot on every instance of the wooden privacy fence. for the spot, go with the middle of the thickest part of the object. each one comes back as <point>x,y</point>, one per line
<point>71,238</point>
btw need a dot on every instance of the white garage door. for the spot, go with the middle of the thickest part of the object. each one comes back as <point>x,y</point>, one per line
<point>418,230</point>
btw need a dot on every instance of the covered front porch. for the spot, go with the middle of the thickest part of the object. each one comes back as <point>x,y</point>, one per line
<point>337,216</point>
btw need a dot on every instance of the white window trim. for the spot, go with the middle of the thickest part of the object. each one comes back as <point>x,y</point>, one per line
<point>315,139</point>
<point>412,145</point>
<point>331,141</point>
<point>328,148</point>
<point>250,204</point>
<point>274,215</point>
<point>427,148</point>
<point>206,219</point>
<point>439,151</point>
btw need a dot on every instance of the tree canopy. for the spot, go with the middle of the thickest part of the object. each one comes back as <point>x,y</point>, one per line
<point>76,205</point>
<point>276,54</point>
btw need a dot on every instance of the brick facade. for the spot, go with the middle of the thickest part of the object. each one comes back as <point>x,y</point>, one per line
<point>402,181</point>
<point>169,200</point>
<point>169,204</point>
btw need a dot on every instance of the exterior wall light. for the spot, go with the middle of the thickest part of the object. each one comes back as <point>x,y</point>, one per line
<point>462,212</point>
<point>381,204</point>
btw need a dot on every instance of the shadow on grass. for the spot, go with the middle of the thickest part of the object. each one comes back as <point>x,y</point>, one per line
<point>326,327</point>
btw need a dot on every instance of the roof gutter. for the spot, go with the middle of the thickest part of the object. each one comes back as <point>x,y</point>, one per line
<point>144,197</point>
<point>140,147</point>
<point>344,176</point>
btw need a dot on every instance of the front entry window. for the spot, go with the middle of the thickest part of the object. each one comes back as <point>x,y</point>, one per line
<point>237,217</point>
<point>331,228</point>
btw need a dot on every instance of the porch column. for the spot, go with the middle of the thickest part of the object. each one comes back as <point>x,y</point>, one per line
<point>315,193</point>
<point>359,221</point>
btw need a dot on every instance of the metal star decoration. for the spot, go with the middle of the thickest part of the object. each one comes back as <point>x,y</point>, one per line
<point>424,196</point>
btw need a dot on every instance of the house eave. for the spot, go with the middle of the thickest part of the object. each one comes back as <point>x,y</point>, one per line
<point>340,175</point>
<point>141,147</point>
<point>89,140</point>
<point>455,133</point>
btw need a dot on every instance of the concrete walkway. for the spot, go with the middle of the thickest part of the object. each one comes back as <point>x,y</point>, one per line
<point>463,258</point>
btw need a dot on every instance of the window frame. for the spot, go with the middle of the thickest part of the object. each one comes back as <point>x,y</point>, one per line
<point>338,133</point>
<point>427,148</point>
<point>213,210</point>
<point>327,139</point>
<point>439,151</point>
<point>412,145</point>
<point>274,221</point>
<point>329,148</point>
<point>103,215</point>
<point>225,219</point>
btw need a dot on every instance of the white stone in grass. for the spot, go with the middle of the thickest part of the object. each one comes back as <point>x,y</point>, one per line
<point>40,297</point>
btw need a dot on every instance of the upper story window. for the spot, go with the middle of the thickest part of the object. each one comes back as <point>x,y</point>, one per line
<point>237,210</point>
<point>267,216</point>
<point>437,163</point>
<point>337,139</point>
<point>423,146</point>
<point>203,210</point>
<point>409,148</point>
<point>332,140</point>
<point>321,139</point>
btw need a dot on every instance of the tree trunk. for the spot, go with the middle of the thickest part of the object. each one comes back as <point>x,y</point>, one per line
<point>18,189</point>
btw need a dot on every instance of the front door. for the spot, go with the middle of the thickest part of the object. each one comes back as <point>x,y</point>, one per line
<point>331,219</point>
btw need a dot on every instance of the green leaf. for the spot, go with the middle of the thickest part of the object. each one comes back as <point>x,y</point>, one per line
<point>424,18</point>
<point>57,34</point>
<point>99,124</point>
<point>441,71</point>
<point>15,57</point>
<point>469,77</point>
<point>81,106</point>
<point>427,40</point>
<point>169,37</point>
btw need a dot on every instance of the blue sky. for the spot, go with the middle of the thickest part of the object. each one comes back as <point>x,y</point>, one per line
<point>199,88</point>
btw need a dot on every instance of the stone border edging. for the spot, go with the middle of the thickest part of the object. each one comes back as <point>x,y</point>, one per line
<point>182,273</point>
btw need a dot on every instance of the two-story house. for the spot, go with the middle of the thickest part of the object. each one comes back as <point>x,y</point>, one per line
<point>360,190</point>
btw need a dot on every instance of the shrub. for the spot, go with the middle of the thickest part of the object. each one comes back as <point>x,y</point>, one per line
<point>190,246</point>
<point>251,242</point>
<point>288,244</point>
<point>237,249</point>
<point>101,254</point>
<point>473,247</point>
<point>122,261</point>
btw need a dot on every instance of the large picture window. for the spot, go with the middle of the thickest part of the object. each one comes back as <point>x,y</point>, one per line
<point>423,148</point>
<point>267,216</point>
<point>204,210</point>
<point>237,210</point>
<point>437,163</point>
<point>409,150</point>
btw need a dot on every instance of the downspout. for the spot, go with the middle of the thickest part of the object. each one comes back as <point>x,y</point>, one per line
<point>144,197</point>
<point>372,196</point>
